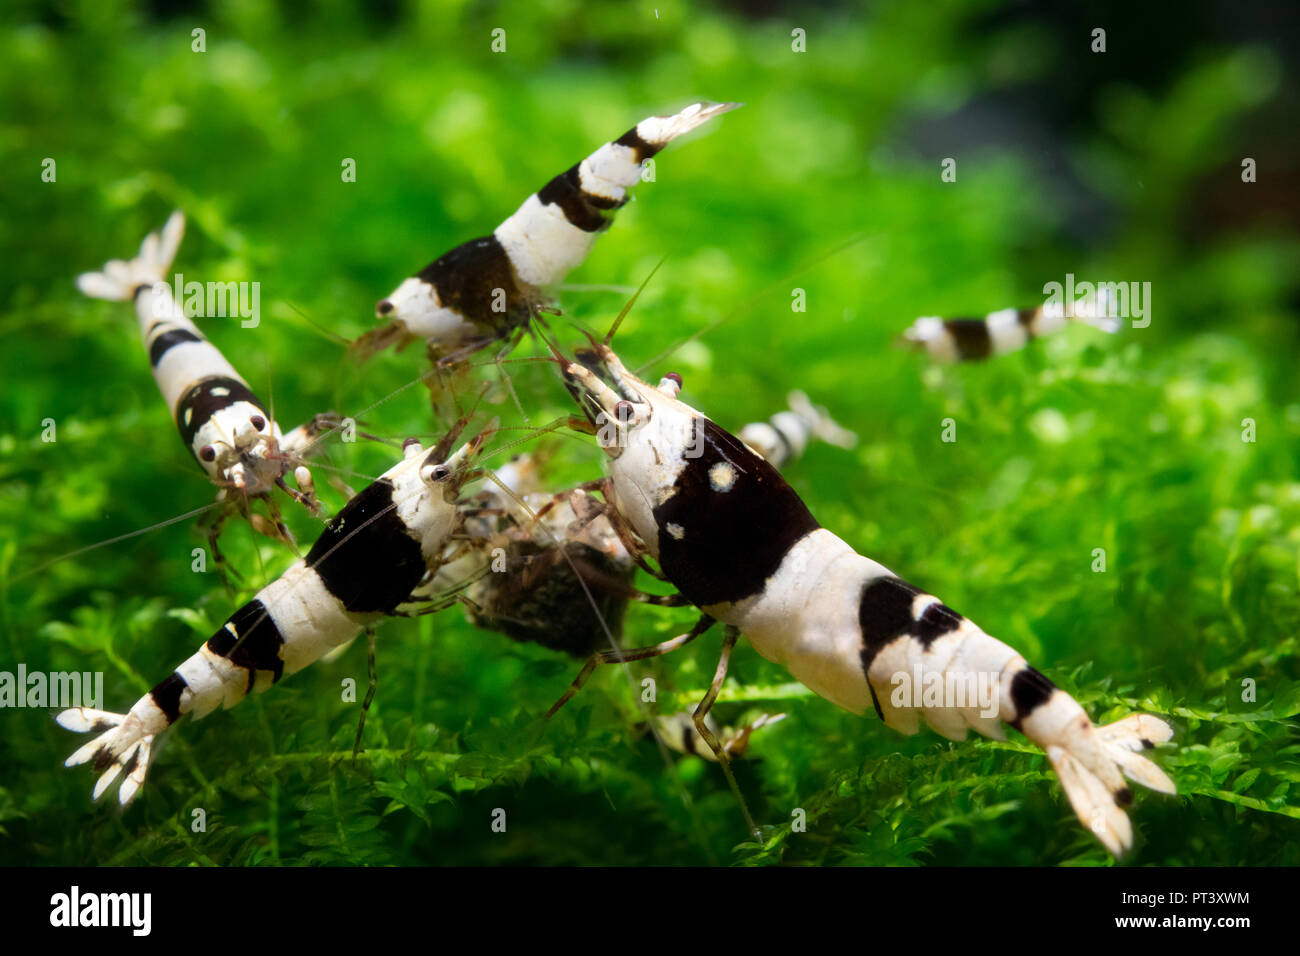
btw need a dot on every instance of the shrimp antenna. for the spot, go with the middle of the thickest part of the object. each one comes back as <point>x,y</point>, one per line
<point>443,448</point>
<point>609,336</point>
<point>318,328</point>
<point>817,260</point>
<point>115,540</point>
<point>552,347</point>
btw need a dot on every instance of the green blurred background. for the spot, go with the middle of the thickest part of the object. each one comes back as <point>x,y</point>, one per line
<point>1121,165</point>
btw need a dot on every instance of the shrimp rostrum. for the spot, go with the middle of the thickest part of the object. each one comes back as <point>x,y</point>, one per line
<point>737,541</point>
<point>367,563</point>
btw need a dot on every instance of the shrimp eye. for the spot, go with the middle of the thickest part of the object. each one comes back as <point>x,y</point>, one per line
<point>436,473</point>
<point>623,411</point>
<point>208,453</point>
<point>258,422</point>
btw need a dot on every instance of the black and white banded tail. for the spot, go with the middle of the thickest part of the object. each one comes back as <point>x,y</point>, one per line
<point>786,435</point>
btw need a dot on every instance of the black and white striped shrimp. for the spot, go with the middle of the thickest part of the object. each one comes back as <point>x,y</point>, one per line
<point>961,340</point>
<point>564,581</point>
<point>737,541</point>
<point>227,428</point>
<point>551,540</point>
<point>486,289</point>
<point>369,560</point>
